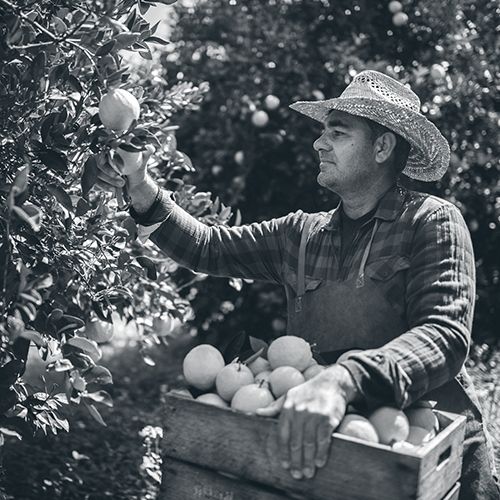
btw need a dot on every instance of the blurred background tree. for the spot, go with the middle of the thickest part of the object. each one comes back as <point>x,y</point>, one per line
<point>257,155</point>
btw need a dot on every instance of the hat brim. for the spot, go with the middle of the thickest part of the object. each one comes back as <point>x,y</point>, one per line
<point>429,155</point>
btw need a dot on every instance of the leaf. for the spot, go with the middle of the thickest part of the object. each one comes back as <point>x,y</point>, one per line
<point>61,365</point>
<point>99,375</point>
<point>95,413</point>
<point>54,160</point>
<point>124,40</point>
<point>100,397</point>
<point>233,346</point>
<point>82,207</point>
<point>61,196</point>
<point>106,48</point>
<point>131,148</point>
<point>254,356</point>
<point>88,346</point>
<point>21,181</point>
<point>89,176</point>
<point>75,84</point>
<point>33,221</point>
<point>149,265</point>
<point>156,39</point>
<point>38,65</point>
<point>34,337</point>
<point>258,344</point>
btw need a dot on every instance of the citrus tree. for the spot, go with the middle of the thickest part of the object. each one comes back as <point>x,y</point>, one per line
<point>69,258</point>
<point>257,154</point>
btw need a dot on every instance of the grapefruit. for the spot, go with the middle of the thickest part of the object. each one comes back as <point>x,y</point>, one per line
<point>118,109</point>
<point>259,365</point>
<point>210,398</point>
<point>289,350</point>
<point>359,427</point>
<point>390,423</point>
<point>283,378</point>
<point>250,398</point>
<point>312,371</point>
<point>201,366</point>
<point>231,378</point>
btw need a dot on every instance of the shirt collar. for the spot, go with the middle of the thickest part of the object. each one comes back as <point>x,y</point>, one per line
<point>388,208</point>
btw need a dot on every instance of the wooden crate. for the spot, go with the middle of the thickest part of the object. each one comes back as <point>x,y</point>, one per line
<point>221,454</point>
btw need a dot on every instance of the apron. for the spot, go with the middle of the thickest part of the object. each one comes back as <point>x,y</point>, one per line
<point>335,316</point>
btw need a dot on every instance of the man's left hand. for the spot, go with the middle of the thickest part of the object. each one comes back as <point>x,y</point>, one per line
<point>309,414</point>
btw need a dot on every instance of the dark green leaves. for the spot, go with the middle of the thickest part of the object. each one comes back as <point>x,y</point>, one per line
<point>89,177</point>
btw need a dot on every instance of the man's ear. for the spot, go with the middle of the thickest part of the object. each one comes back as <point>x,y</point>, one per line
<point>384,146</point>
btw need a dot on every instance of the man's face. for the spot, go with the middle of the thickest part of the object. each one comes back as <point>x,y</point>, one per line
<point>346,153</point>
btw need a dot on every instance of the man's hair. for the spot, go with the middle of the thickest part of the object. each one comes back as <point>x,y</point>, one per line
<point>401,150</point>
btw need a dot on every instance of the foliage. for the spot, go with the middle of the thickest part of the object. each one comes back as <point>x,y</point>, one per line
<point>305,50</point>
<point>68,251</point>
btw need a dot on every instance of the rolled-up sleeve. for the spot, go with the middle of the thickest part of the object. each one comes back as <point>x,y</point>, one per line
<point>253,251</point>
<point>440,296</point>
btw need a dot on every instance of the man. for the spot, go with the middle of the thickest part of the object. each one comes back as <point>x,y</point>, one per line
<point>389,271</point>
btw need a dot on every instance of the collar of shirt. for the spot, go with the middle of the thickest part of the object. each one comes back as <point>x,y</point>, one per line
<point>387,209</point>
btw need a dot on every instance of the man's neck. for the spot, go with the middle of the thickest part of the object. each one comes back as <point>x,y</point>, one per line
<point>359,203</point>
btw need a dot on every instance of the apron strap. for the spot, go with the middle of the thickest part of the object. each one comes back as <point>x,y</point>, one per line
<point>301,271</point>
<point>360,281</point>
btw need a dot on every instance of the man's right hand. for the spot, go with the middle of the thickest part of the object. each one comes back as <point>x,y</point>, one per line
<point>110,178</point>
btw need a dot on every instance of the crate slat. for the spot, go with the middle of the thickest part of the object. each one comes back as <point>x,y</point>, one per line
<point>184,481</point>
<point>247,446</point>
<point>453,493</point>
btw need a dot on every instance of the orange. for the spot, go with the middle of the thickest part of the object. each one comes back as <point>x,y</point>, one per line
<point>283,378</point>
<point>250,398</point>
<point>231,378</point>
<point>201,366</point>
<point>289,350</point>
<point>118,109</point>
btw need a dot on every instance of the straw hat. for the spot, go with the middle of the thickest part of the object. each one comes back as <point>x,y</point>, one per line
<point>384,100</point>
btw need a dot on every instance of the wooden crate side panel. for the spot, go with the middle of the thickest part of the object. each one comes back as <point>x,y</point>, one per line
<point>453,493</point>
<point>248,447</point>
<point>442,461</point>
<point>184,481</point>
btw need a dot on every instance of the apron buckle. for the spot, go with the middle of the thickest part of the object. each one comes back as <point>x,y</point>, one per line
<point>360,281</point>
<point>298,304</point>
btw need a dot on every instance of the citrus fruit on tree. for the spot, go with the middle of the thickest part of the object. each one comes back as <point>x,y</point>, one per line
<point>250,398</point>
<point>118,109</point>
<point>131,160</point>
<point>201,366</point>
<point>289,350</point>
<point>239,157</point>
<point>390,423</point>
<point>437,72</point>
<point>260,118</point>
<point>259,365</point>
<point>395,7</point>
<point>283,378</point>
<point>210,398</point>
<point>272,102</point>
<point>231,378</point>
<point>99,331</point>
<point>358,426</point>
<point>400,19</point>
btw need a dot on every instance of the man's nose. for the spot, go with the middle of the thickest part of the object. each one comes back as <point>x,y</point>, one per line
<point>319,143</point>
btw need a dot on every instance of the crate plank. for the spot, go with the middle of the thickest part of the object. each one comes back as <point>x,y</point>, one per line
<point>184,481</point>
<point>247,446</point>
<point>443,457</point>
<point>453,493</point>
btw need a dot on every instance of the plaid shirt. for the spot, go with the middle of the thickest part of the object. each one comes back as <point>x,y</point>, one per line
<point>421,234</point>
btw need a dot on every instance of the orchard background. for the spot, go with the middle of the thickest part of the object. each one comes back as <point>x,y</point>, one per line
<point>83,298</point>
